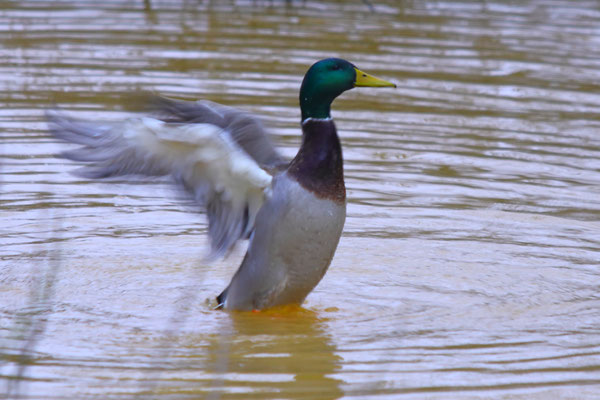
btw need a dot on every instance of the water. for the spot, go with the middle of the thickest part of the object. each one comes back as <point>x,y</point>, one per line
<point>469,265</point>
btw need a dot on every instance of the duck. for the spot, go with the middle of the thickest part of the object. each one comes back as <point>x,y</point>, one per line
<point>291,212</point>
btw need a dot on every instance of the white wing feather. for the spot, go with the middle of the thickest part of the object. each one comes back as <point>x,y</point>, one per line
<point>201,154</point>
<point>202,157</point>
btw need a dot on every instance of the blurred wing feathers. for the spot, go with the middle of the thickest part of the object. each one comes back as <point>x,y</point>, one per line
<point>246,130</point>
<point>203,157</point>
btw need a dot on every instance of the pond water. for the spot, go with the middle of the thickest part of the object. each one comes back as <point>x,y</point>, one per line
<point>469,267</point>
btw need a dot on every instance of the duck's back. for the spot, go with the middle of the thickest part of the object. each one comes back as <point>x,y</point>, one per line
<point>294,241</point>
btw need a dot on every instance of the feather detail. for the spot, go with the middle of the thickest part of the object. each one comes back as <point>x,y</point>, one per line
<point>245,129</point>
<point>202,157</point>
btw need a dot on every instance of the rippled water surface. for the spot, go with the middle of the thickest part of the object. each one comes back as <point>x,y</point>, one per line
<point>469,264</point>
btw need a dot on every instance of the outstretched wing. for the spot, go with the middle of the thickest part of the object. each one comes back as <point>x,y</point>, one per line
<point>205,158</point>
<point>246,130</point>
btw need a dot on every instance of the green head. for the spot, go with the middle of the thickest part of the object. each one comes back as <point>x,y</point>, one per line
<point>326,80</point>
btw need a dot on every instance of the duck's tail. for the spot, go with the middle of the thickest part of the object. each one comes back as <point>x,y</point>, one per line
<point>221,299</point>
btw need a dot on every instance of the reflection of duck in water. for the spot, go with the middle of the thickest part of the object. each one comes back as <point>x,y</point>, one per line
<point>293,212</point>
<point>284,352</point>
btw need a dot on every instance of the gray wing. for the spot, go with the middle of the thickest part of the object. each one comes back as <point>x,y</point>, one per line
<point>222,173</point>
<point>245,129</point>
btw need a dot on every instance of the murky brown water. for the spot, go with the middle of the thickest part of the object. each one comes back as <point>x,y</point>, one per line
<point>469,266</point>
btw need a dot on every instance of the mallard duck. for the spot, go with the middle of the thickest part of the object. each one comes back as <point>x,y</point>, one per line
<point>292,212</point>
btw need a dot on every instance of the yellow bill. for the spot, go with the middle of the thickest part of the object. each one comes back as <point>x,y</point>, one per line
<point>364,79</point>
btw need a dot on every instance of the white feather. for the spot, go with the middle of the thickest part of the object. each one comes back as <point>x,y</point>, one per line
<point>201,153</point>
<point>198,151</point>
<point>204,157</point>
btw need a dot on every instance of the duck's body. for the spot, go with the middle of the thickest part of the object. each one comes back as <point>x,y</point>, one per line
<point>297,229</point>
<point>293,243</point>
<point>294,215</point>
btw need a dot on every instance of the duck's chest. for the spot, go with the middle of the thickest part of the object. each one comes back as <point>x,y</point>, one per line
<point>304,231</point>
<point>315,222</point>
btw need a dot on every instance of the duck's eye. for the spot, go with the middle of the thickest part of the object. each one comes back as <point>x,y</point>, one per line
<point>335,67</point>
